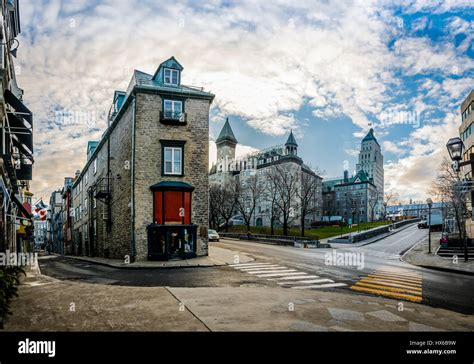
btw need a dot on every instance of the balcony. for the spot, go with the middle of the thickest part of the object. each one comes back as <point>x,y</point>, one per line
<point>101,189</point>
<point>173,117</point>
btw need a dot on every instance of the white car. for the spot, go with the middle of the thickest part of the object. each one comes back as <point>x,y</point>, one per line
<point>213,235</point>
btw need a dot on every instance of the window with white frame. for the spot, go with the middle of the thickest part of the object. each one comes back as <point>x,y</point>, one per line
<point>85,205</point>
<point>173,160</point>
<point>94,166</point>
<point>173,109</point>
<point>94,204</point>
<point>171,77</point>
<point>85,179</point>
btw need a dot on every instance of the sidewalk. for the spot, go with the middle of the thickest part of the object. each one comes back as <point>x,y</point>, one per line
<point>367,241</point>
<point>217,257</point>
<point>418,255</point>
<point>48,304</point>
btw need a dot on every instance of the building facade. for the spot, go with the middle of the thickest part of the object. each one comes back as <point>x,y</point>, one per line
<point>16,139</point>
<point>143,193</point>
<point>228,169</point>
<point>359,197</point>
<point>466,133</point>
<point>371,162</point>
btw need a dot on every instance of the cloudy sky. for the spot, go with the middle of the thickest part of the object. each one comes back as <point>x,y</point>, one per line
<point>326,69</point>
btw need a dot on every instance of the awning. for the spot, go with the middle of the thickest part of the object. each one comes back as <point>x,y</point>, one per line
<point>172,186</point>
<point>20,206</point>
<point>16,103</point>
<point>20,123</point>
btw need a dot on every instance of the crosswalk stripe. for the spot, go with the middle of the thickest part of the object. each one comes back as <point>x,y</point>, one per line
<point>397,276</point>
<point>394,280</point>
<point>248,264</point>
<point>284,276</point>
<point>389,294</point>
<point>272,271</point>
<point>262,268</point>
<point>293,277</point>
<point>389,288</point>
<point>328,285</point>
<point>277,274</point>
<point>388,283</point>
<point>311,281</point>
<point>399,273</point>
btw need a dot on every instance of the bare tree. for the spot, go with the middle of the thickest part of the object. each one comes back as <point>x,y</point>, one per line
<point>226,203</point>
<point>389,196</point>
<point>214,206</point>
<point>448,186</point>
<point>270,193</point>
<point>247,192</point>
<point>309,188</point>
<point>286,184</point>
<point>372,202</point>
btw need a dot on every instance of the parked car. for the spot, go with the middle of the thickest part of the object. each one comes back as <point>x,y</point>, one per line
<point>423,224</point>
<point>213,235</point>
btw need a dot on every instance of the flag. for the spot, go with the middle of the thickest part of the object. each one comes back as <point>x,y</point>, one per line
<point>40,206</point>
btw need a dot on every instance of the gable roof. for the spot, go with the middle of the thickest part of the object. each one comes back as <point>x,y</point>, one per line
<point>226,133</point>
<point>169,63</point>
<point>360,177</point>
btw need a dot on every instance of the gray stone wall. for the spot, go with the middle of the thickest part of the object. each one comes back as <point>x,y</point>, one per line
<point>148,163</point>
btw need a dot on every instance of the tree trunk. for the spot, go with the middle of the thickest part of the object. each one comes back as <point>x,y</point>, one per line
<point>271,225</point>
<point>285,227</point>
<point>227,225</point>
<point>302,226</point>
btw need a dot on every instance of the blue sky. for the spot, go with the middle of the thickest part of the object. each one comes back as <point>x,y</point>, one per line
<point>328,70</point>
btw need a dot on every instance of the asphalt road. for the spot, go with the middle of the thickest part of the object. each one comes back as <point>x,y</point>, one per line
<point>439,289</point>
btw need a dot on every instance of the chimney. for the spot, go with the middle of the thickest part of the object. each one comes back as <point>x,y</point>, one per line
<point>346,176</point>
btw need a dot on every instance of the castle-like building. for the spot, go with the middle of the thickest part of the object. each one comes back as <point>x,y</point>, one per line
<point>228,167</point>
<point>360,197</point>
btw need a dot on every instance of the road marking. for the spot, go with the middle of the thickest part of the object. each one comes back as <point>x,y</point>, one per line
<point>392,282</point>
<point>286,278</point>
<point>262,268</point>
<point>272,271</point>
<point>248,265</point>
<point>293,277</point>
<point>310,281</point>
<point>329,285</point>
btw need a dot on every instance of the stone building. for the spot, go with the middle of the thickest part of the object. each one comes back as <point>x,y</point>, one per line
<point>352,198</point>
<point>359,197</point>
<point>16,139</point>
<point>228,168</point>
<point>371,162</point>
<point>143,192</point>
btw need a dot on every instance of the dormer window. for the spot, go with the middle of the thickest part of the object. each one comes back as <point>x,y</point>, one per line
<point>171,77</point>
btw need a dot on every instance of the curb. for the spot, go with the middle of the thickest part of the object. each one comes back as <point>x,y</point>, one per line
<point>433,267</point>
<point>136,267</point>
<point>443,269</point>
<point>391,233</point>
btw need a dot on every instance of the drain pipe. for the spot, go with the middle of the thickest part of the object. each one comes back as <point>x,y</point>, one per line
<point>132,174</point>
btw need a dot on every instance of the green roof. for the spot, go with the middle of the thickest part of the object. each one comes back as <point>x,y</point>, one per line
<point>226,133</point>
<point>370,136</point>
<point>361,176</point>
<point>291,140</point>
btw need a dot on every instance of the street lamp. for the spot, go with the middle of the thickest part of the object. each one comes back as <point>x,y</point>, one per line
<point>429,201</point>
<point>455,148</point>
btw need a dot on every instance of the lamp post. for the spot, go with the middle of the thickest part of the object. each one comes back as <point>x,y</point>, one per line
<point>455,148</point>
<point>429,201</point>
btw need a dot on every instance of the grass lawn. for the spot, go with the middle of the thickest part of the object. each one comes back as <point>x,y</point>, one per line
<point>322,233</point>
